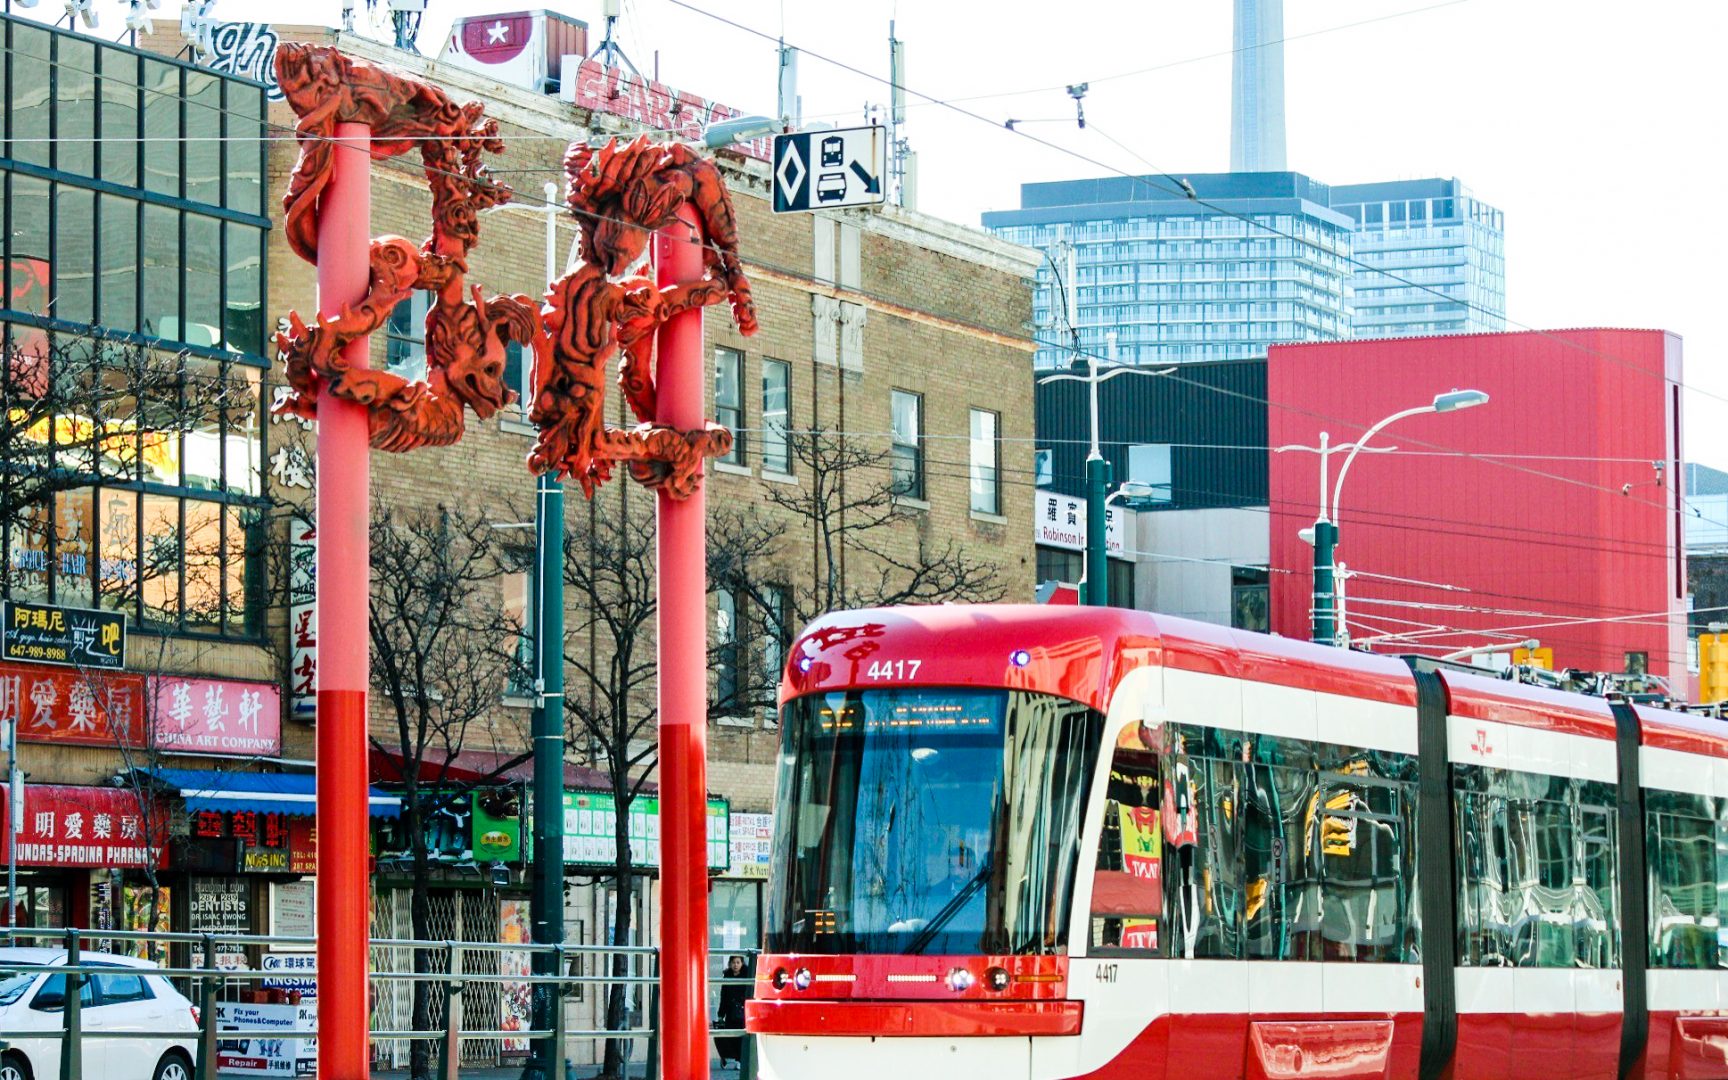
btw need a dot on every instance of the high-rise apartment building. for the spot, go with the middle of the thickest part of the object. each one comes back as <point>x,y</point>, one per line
<point>1430,259</point>
<point>1266,260</point>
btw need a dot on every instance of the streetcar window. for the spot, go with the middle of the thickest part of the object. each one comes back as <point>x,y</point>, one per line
<point>1264,848</point>
<point>1127,882</point>
<point>1682,843</point>
<point>1537,865</point>
<point>937,821</point>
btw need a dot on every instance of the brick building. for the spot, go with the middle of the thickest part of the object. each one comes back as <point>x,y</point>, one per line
<point>890,337</point>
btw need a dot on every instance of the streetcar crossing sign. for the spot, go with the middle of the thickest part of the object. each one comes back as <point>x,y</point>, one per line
<point>817,170</point>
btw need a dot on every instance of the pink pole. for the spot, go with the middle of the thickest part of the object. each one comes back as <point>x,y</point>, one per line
<point>682,635</point>
<point>344,584</point>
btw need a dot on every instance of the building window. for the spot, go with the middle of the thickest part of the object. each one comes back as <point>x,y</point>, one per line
<point>726,669</point>
<point>729,399</point>
<point>776,634</point>
<point>1043,467</point>
<point>519,612</point>
<point>776,415</point>
<point>1250,598</point>
<point>1060,564</point>
<point>1149,464</point>
<point>985,466</point>
<point>405,337</point>
<point>908,444</point>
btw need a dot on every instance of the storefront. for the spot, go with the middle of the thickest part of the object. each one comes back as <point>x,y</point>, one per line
<point>90,857</point>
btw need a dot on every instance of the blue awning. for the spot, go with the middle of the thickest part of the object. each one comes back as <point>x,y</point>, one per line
<point>283,793</point>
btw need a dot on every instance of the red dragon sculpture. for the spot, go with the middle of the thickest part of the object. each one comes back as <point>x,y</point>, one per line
<point>620,196</point>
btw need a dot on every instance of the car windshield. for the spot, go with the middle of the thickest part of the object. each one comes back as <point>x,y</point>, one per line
<point>12,987</point>
<point>928,821</point>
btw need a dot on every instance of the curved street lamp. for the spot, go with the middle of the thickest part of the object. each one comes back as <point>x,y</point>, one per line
<point>1328,627</point>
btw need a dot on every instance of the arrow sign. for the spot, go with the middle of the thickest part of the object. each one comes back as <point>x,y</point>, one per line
<point>821,170</point>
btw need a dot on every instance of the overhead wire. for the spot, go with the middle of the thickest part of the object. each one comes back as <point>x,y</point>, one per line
<point>1180,189</point>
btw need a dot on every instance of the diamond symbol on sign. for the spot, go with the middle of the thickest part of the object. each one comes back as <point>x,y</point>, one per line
<point>792,171</point>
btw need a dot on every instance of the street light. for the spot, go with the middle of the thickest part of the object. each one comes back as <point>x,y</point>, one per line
<point>1097,585</point>
<point>1328,629</point>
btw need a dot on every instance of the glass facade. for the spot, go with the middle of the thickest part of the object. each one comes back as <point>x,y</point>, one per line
<point>134,335</point>
<point>1177,282</point>
<point>1436,238</point>
<point>1282,258</point>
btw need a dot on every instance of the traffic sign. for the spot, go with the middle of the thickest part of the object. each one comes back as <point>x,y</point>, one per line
<point>816,170</point>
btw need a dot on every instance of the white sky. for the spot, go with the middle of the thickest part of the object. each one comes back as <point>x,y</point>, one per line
<point>1595,126</point>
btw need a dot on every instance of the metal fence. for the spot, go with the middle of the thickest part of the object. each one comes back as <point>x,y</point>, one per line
<point>457,971</point>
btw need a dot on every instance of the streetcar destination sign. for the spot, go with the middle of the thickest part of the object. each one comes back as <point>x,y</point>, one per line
<point>50,634</point>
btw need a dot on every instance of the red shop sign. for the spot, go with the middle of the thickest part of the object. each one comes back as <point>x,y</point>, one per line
<point>69,706</point>
<point>215,716</point>
<point>302,845</point>
<point>88,826</point>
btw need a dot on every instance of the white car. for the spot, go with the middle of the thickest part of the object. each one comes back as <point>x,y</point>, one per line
<point>129,998</point>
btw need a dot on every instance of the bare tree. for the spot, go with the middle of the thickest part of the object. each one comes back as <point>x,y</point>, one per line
<point>610,709</point>
<point>76,410</point>
<point>845,516</point>
<point>440,670</point>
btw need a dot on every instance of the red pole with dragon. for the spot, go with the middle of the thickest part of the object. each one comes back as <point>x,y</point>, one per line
<point>621,195</point>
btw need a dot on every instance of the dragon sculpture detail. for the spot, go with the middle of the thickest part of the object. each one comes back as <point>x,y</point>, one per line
<point>620,196</point>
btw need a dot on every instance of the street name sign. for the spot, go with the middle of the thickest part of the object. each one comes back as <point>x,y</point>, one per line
<point>821,170</point>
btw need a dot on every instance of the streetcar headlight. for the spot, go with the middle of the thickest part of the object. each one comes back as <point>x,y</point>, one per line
<point>779,979</point>
<point>996,979</point>
<point>960,980</point>
<point>1019,658</point>
<point>802,978</point>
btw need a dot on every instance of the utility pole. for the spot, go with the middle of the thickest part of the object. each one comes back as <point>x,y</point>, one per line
<point>14,815</point>
<point>547,908</point>
<point>897,149</point>
<point>1325,576</point>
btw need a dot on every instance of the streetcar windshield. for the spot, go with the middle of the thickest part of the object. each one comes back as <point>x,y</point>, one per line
<point>929,821</point>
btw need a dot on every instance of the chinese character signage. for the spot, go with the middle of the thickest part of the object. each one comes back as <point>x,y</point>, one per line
<point>64,705</point>
<point>211,716</point>
<point>1060,521</point>
<point>751,844</point>
<point>265,837</point>
<point>498,824</point>
<point>590,835</point>
<point>88,826</point>
<point>48,634</point>
<point>303,618</point>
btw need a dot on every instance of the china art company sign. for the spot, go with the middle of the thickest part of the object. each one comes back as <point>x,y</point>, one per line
<point>214,716</point>
<point>49,634</point>
<point>592,85</point>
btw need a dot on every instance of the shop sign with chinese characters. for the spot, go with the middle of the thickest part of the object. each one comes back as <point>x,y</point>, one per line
<point>752,844</point>
<point>87,826</point>
<point>64,705</point>
<point>590,823</point>
<point>1061,522</point>
<point>211,716</point>
<point>264,837</point>
<point>303,617</point>
<point>49,634</point>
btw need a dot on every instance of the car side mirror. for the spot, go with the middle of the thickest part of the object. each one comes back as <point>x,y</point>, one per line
<point>49,999</point>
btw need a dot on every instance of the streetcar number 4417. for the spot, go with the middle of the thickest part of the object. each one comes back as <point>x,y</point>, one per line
<point>894,669</point>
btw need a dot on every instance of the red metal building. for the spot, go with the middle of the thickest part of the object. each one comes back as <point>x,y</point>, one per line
<point>1552,504</point>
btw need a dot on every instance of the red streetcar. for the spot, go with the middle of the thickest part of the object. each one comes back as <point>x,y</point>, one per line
<point>1035,842</point>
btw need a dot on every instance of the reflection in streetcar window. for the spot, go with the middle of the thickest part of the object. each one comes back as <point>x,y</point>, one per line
<point>1219,845</point>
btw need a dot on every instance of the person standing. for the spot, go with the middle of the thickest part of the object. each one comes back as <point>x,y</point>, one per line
<point>732,999</point>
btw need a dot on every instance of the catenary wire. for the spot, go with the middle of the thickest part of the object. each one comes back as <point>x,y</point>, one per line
<point>1178,190</point>
<point>524,199</point>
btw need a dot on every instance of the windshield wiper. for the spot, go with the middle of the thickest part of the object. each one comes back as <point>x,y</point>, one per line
<point>949,910</point>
